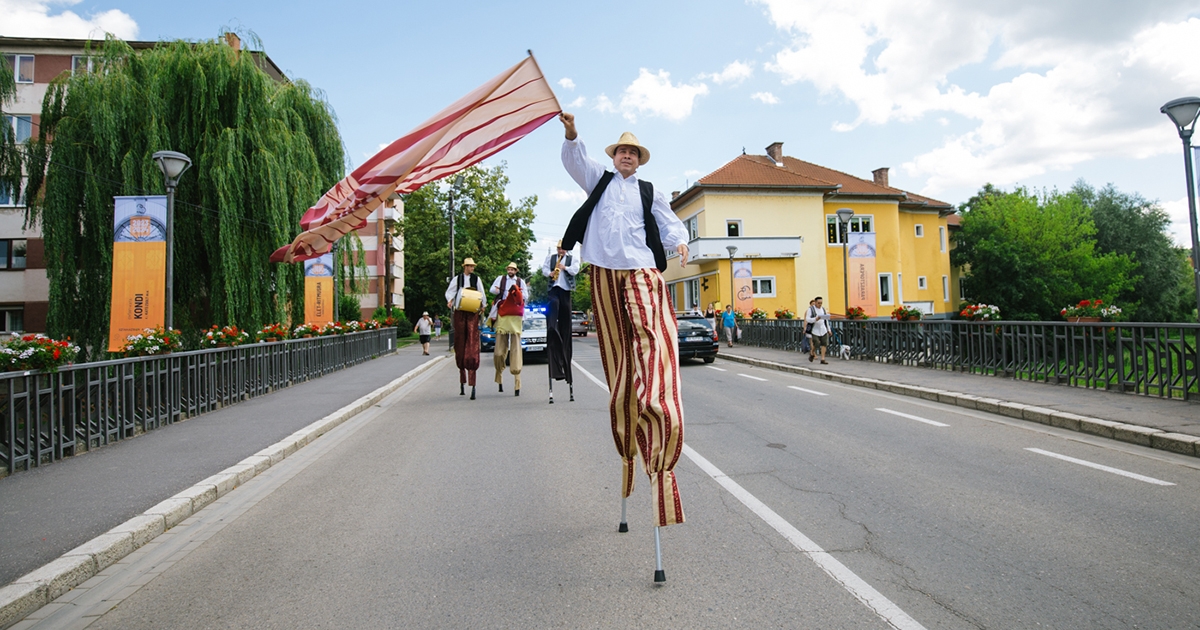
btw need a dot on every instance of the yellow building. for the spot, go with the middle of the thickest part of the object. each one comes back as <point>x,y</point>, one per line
<point>779,215</point>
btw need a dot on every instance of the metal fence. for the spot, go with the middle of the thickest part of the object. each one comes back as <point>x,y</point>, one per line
<point>45,416</point>
<point>1147,359</point>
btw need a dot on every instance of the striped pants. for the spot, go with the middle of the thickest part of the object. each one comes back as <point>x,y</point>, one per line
<point>640,349</point>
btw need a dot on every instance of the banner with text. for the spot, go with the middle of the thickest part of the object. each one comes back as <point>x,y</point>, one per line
<point>861,264</point>
<point>318,290</point>
<point>743,287</point>
<point>139,267</point>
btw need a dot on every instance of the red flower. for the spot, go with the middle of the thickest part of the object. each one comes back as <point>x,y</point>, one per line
<point>57,354</point>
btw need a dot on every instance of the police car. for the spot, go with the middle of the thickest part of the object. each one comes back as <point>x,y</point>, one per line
<point>533,330</point>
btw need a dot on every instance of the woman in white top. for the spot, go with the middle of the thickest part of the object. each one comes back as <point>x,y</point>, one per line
<point>819,318</point>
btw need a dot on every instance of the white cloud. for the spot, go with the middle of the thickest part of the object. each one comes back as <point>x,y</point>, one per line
<point>604,105</point>
<point>577,103</point>
<point>655,95</point>
<point>567,83</point>
<point>734,73</point>
<point>1178,211</point>
<point>39,18</point>
<point>574,196</point>
<point>765,97</point>
<point>1073,86</point>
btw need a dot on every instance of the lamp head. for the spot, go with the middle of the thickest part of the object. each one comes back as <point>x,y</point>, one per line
<point>1182,112</point>
<point>844,214</point>
<point>172,164</point>
<point>458,181</point>
<point>732,250</point>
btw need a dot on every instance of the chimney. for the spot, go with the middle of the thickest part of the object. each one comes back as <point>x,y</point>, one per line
<point>880,175</point>
<point>674,194</point>
<point>234,41</point>
<point>775,152</point>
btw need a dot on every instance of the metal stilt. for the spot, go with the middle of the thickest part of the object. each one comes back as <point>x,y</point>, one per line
<point>571,386</point>
<point>551,389</point>
<point>659,574</point>
<point>624,526</point>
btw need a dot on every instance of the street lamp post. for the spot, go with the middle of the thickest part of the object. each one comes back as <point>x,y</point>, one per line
<point>172,164</point>
<point>1183,112</point>
<point>732,250</point>
<point>457,184</point>
<point>844,215</point>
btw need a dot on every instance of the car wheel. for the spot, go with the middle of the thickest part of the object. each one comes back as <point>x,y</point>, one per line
<point>709,359</point>
<point>583,334</point>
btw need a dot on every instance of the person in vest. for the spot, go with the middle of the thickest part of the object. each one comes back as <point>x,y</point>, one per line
<point>509,313</point>
<point>560,268</point>
<point>626,227</point>
<point>466,322</point>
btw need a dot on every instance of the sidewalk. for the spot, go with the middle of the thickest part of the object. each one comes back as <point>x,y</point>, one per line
<point>1170,425</point>
<point>48,511</point>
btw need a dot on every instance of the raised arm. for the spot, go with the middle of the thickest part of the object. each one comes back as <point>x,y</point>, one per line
<point>584,170</point>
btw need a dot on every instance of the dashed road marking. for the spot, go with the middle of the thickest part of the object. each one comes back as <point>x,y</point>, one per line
<point>1115,471</point>
<point>912,417</point>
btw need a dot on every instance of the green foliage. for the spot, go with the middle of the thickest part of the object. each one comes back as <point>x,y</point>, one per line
<point>349,309</point>
<point>261,152</point>
<point>10,152</point>
<point>1163,288</point>
<point>488,227</point>
<point>1028,255</point>
<point>394,317</point>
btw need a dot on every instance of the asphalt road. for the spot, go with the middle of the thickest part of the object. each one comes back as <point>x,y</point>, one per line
<point>809,505</point>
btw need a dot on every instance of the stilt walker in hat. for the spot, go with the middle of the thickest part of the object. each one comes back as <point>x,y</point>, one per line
<point>560,268</point>
<point>626,227</point>
<point>509,313</point>
<point>466,299</point>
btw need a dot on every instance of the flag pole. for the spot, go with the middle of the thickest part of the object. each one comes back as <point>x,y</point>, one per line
<point>539,69</point>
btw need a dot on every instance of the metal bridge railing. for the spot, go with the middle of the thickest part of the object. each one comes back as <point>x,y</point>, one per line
<point>1149,359</point>
<point>45,416</point>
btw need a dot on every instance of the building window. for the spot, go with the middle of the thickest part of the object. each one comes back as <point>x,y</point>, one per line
<point>920,230</point>
<point>84,63</point>
<point>22,126</point>
<point>692,293</point>
<point>12,253</point>
<point>921,284</point>
<point>733,228</point>
<point>763,287</point>
<point>693,227</point>
<point>945,288</point>
<point>13,319</point>
<point>885,288</point>
<point>864,223</point>
<point>942,238</point>
<point>22,67</point>
<point>9,197</point>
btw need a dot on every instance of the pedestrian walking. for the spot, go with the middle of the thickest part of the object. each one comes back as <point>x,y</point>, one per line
<point>560,269</point>
<point>710,314</point>
<point>625,227</point>
<point>729,323</point>
<point>423,329</point>
<point>465,298</point>
<point>819,318</point>
<point>437,327</point>
<point>806,342</point>
<point>509,314</point>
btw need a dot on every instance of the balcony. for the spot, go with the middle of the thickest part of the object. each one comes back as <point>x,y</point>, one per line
<point>706,249</point>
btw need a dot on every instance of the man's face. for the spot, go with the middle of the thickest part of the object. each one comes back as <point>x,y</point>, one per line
<point>511,272</point>
<point>626,160</point>
<point>468,269</point>
<point>562,252</point>
<point>818,303</point>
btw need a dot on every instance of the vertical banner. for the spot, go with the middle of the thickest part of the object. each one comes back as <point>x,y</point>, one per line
<point>861,267</point>
<point>318,290</point>
<point>139,267</point>
<point>743,289</point>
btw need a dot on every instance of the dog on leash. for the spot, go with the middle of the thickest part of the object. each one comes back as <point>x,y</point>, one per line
<point>843,352</point>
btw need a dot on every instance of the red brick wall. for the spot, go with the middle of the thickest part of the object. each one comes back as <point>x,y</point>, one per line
<point>46,68</point>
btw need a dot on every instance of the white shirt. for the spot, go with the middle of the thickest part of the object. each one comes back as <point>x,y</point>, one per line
<point>524,287</point>
<point>452,289</point>
<point>818,317</point>
<point>572,268</point>
<point>616,232</point>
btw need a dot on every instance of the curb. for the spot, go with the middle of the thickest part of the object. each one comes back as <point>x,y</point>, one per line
<point>1120,431</point>
<point>30,592</point>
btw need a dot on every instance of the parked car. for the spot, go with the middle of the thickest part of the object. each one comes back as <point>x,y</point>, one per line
<point>579,323</point>
<point>697,339</point>
<point>533,332</point>
<point>487,339</point>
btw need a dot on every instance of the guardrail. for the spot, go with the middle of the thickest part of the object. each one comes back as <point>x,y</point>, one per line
<point>46,416</point>
<point>1141,358</point>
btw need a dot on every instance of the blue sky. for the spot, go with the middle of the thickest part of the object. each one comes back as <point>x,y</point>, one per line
<point>948,96</point>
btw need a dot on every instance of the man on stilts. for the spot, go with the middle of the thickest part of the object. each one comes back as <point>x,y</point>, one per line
<point>509,313</point>
<point>465,298</point>
<point>561,268</point>
<point>625,227</point>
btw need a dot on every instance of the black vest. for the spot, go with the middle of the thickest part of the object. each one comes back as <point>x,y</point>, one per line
<point>579,221</point>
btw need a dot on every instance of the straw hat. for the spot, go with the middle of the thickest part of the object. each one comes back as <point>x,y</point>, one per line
<point>468,261</point>
<point>628,139</point>
<point>511,265</point>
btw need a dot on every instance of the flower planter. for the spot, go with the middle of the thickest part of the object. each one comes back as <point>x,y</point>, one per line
<point>1083,319</point>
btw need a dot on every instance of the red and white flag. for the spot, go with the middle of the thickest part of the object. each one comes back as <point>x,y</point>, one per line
<point>480,124</point>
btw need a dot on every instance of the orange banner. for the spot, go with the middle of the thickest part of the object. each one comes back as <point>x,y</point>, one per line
<point>139,271</point>
<point>318,290</point>
<point>743,287</point>
<point>861,269</point>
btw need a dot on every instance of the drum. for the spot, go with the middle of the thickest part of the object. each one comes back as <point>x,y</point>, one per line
<point>470,301</point>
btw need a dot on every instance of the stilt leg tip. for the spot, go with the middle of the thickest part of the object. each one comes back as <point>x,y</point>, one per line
<point>660,576</point>
<point>623,527</point>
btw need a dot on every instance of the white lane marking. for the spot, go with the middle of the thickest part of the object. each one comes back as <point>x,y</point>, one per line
<point>753,377</point>
<point>711,367</point>
<point>911,417</point>
<point>810,391</point>
<point>862,591</point>
<point>1115,471</point>
<point>857,587</point>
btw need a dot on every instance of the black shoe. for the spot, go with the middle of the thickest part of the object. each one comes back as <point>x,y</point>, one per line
<point>517,393</point>
<point>472,392</point>
<point>462,390</point>
<point>501,388</point>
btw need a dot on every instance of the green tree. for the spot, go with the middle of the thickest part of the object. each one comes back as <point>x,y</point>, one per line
<point>10,152</point>
<point>488,227</point>
<point>1031,255</point>
<point>1129,224</point>
<point>262,152</point>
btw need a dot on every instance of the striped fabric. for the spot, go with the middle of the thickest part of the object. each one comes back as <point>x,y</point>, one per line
<point>638,340</point>
<point>482,123</point>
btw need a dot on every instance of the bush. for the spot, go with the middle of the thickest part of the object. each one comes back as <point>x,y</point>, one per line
<point>393,318</point>
<point>349,308</point>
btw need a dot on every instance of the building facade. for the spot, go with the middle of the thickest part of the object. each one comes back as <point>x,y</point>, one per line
<point>383,252</point>
<point>781,216</point>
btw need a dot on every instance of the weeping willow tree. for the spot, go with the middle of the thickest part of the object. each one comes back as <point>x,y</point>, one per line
<point>262,151</point>
<point>10,153</point>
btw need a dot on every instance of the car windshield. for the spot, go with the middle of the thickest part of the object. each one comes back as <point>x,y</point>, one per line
<point>535,324</point>
<point>693,324</point>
